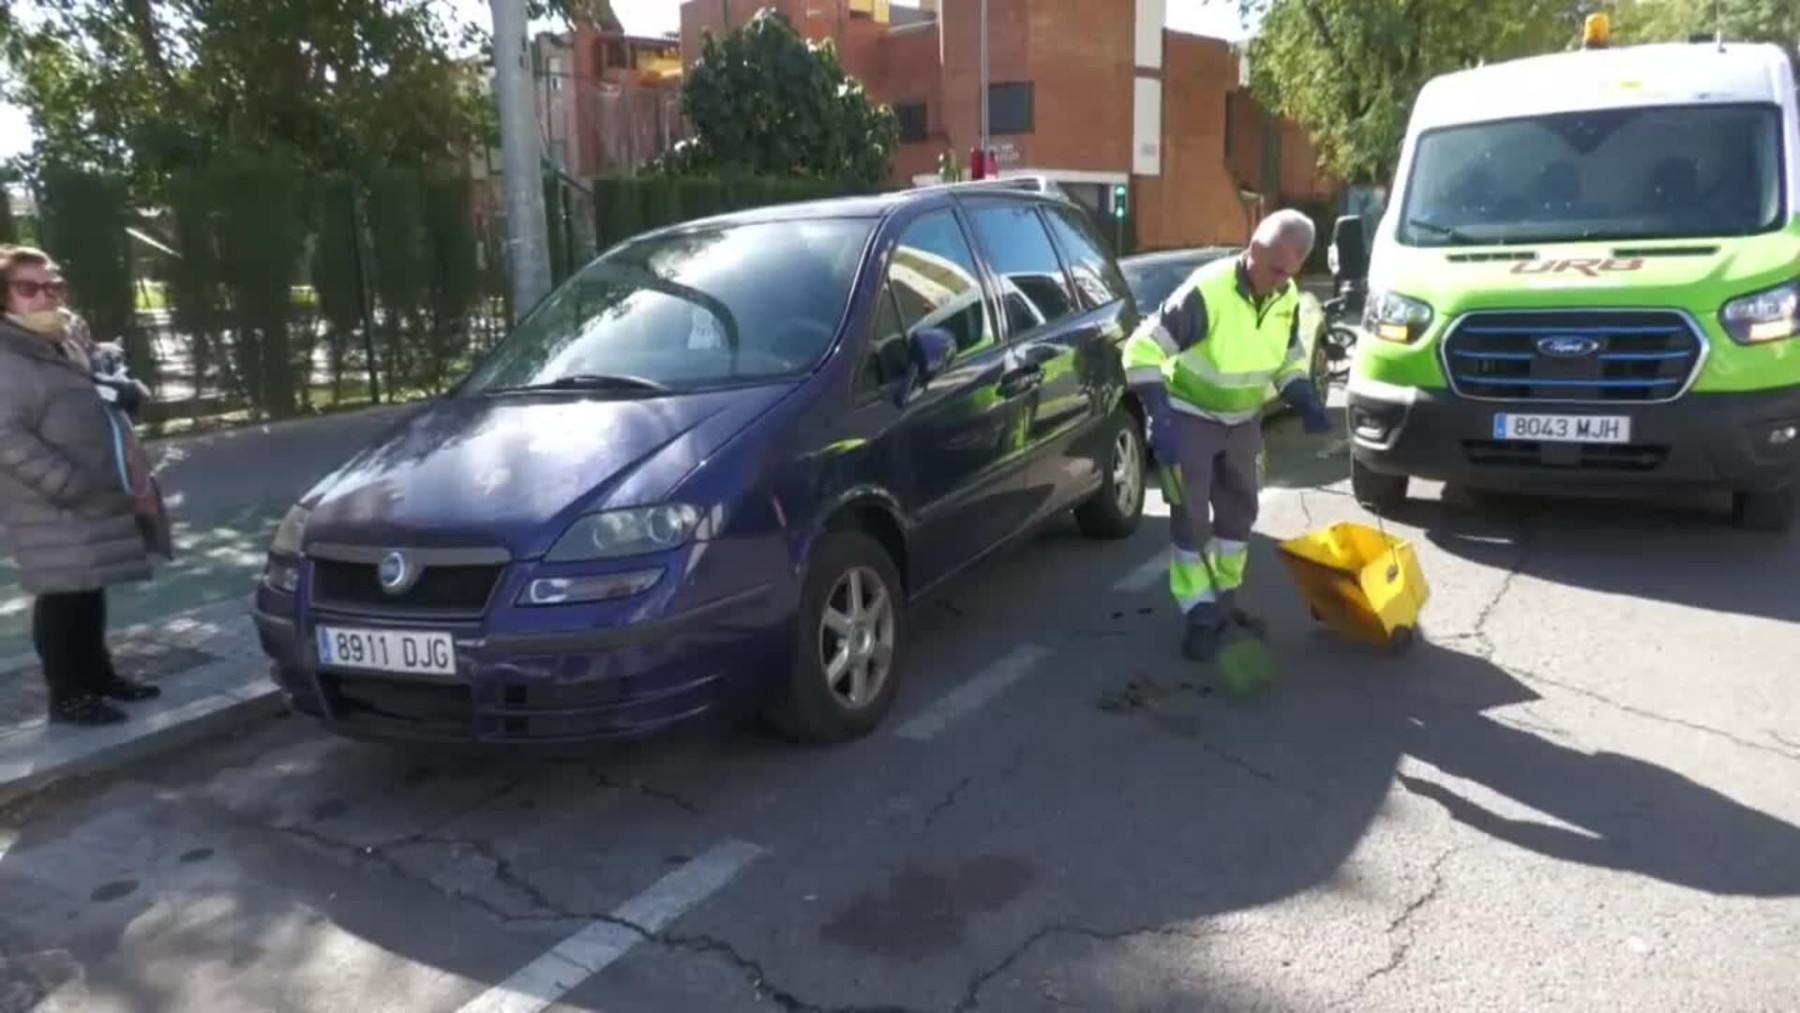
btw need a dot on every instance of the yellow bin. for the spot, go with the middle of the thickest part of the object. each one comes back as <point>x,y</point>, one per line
<point>1361,582</point>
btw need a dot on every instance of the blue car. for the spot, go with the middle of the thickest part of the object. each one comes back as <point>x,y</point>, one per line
<point>708,474</point>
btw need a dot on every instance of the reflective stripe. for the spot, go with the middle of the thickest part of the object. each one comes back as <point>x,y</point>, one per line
<point>1196,363</point>
<point>1222,417</point>
<point>1225,546</point>
<point>1188,556</point>
<point>1189,581</point>
<point>1139,375</point>
<point>1164,339</point>
<point>1229,568</point>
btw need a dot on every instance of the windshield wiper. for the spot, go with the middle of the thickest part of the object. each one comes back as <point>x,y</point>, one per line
<point>589,381</point>
<point>1447,231</point>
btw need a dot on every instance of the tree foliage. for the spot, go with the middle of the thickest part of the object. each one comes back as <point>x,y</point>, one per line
<point>147,87</point>
<point>763,101</point>
<point>1348,71</point>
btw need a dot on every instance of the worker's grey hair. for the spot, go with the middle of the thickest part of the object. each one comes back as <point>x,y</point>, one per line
<point>1287,227</point>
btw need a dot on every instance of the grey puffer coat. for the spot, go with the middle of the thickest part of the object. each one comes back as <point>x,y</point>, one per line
<point>62,503</point>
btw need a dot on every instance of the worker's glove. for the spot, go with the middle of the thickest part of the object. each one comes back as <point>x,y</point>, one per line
<point>1313,418</point>
<point>1160,421</point>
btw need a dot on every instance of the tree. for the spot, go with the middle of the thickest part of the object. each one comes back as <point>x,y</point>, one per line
<point>1775,21</point>
<point>146,87</point>
<point>763,101</point>
<point>1348,71</point>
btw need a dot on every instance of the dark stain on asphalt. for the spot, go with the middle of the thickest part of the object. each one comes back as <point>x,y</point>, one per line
<point>920,913</point>
<point>419,775</point>
<point>330,809</point>
<point>114,890</point>
<point>196,855</point>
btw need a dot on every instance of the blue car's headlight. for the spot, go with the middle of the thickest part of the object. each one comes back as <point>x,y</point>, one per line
<point>632,532</point>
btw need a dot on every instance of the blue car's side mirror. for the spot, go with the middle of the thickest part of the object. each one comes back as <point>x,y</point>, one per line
<point>928,352</point>
<point>931,349</point>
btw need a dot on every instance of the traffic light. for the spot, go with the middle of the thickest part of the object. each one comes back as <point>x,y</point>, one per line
<point>1120,195</point>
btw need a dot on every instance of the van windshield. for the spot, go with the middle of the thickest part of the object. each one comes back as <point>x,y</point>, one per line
<point>699,307</point>
<point>1638,173</point>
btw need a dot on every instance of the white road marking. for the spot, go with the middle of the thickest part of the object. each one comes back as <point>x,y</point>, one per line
<point>964,700</point>
<point>549,978</point>
<point>1145,576</point>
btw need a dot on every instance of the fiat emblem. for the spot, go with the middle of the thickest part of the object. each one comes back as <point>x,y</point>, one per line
<point>395,572</point>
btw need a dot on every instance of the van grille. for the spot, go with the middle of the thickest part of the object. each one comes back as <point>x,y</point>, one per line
<point>1607,356</point>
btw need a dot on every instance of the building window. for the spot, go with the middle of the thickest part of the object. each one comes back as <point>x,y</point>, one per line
<point>912,122</point>
<point>1009,108</point>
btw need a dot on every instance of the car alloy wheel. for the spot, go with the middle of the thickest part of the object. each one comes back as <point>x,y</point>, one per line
<point>856,637</point>
<point>1127,471</point>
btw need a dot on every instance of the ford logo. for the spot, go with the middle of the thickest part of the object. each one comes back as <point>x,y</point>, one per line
<point>1568,346</point>
<point>394,572</point>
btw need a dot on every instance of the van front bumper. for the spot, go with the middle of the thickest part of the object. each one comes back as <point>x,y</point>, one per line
<point>1747,442</point>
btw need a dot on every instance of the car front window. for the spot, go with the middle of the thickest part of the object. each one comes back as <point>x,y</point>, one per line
<point>1609,174</point>
<point>699,307</point>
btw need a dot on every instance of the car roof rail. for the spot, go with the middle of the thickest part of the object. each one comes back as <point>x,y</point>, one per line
<point>1033,183</point>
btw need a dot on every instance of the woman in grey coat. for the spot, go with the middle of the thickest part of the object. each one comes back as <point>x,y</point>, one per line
<point>65,500</point>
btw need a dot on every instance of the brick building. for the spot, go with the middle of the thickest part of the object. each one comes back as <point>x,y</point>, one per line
<point>607,101</point>
<point>1092,93</point>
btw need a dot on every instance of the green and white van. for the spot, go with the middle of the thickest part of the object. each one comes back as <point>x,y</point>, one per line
<point>1587,277</point>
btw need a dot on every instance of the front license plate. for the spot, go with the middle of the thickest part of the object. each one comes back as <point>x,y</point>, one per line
<point>1563,428</point>
<point>410,651</point>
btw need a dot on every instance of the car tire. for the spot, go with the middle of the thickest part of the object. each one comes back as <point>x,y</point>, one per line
<point>1116,508</point>
<point>1382,494</point>
<point>813,707</point>
<point>1770,512</point>
<point>1319,372</point>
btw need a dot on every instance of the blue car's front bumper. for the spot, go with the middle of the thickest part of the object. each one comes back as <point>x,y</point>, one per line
<point>604,683</point>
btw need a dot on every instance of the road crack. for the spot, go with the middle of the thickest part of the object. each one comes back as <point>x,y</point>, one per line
<point>972,994</point>
<point>1401,925</point>
<point>1259,773</point>
<point>1650,715</point>
<point>948,800</point>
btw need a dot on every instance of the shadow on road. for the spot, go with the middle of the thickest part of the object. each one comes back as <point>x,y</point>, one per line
<point>1111,822</point>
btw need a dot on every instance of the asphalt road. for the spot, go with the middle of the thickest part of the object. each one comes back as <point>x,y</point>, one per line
<point>1577,794</point>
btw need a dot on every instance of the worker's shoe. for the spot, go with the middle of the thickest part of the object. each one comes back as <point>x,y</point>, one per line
<point>1236,616</point>
<point>1205,627</point>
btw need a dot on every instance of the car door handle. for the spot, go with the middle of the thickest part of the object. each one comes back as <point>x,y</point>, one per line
<point>1020,380</point>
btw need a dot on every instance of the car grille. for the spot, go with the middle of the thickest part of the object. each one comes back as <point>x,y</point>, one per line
<point>1632,356</point>
<point>1584,457</point>
<point>444,591</point>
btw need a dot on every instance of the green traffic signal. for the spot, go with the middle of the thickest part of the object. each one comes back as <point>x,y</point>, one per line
<point>1119,197</point>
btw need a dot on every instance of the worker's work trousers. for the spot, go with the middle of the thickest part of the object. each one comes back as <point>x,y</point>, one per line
<point>1212,494</point>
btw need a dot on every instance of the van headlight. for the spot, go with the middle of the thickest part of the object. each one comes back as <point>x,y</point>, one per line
<point>632,532</point>
<point>291,532</point>
<point>1770,315</point>
<point>1391,316</point>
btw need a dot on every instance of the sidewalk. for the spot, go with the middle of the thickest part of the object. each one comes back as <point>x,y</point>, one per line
<point>189,629</point>
<point>212,675</point>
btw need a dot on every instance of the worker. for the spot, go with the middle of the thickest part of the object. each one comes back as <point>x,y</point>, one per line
<point>1202,364</point>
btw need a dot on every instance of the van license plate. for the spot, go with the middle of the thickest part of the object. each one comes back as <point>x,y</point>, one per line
<point>1563,428</point>
<point>409,651</point>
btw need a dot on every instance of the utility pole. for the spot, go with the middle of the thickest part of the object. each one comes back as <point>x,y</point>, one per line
<point>984,76</point>
<point>528,248</point>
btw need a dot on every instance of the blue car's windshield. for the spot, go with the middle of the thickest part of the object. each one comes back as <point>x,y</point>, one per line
<point>695,308</point>
<point>1608,174</point>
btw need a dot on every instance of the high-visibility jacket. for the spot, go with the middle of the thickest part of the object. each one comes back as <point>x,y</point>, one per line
<point>1214,349</point>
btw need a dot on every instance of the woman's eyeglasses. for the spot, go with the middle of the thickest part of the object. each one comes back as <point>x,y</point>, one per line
<point>32,289</point>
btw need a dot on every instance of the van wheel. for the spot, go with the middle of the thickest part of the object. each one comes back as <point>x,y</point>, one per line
<point>1115,509</point>
<point>1380,493</point>
<point>1771,512</point>
<point>851,633</point>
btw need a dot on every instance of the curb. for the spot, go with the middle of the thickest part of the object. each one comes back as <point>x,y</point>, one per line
<point>140,738</point>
